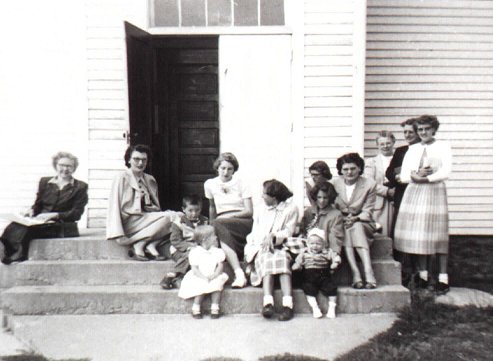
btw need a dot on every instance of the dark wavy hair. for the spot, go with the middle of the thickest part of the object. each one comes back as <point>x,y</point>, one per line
<point>141,148</point>
<point>226,157</point>
<point>409,121</point>
<point>427,119</point>
<point>325,187</point>
<point>191,199</point>
<point>277,190</point>
<point>350,158</point>
<point>321,167</point>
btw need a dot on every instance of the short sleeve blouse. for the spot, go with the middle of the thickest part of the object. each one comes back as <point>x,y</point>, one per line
<point>227,196</point>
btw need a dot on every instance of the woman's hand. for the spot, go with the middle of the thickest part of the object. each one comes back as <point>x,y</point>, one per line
<point>390,193</point>
<point>425,171</point>
<point>47,216</point>
<point>28,213</point>
<point>350,220</point>
<point>416,178</point>
<point>268,242</point>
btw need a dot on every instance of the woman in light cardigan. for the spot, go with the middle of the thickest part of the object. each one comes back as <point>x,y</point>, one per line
<point>422,224</point>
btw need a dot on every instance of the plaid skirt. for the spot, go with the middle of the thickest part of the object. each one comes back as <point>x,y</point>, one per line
<point>276,261</point>
<point>422,223</point>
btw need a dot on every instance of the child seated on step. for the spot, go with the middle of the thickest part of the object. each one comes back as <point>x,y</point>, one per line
<point>206,275</point>
<point>182,233</point>
<point>317,263</point>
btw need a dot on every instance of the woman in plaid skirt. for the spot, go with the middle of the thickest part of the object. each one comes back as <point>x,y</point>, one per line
<point>422,224</point>
<point>268,246</point>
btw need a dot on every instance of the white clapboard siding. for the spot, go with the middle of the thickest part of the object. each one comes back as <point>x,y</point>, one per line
<point>328,79</point>
<point>436,57</point>
<point>107,95</point>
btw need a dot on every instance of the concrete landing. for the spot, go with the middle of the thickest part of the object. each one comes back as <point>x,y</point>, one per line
<point>182,338</point>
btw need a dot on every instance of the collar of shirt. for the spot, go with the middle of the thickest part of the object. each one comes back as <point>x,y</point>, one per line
<point>55,178</point>
<point>278,207</point>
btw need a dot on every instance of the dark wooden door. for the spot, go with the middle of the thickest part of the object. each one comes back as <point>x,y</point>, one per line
<point>187,115</point>
<point>139,74</point>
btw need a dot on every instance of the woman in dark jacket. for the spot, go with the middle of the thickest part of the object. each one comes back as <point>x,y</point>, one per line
<point>60,202</point>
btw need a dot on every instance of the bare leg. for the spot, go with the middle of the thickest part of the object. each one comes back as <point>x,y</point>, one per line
<point>139,248</point>
<point>231,256</point>
<point>286,287</point>
<point>197,302</point>
<point>151,248</point>
<point>364,254</point>
<point>268,285</point>
<point>216,297</point>
<point>352,264</point>
<point>442,262</point>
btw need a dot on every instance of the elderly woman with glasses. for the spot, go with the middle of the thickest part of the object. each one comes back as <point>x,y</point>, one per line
<point>59,203</point>
<point>134,213</point>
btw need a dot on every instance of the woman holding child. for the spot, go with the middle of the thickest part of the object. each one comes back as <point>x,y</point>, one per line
<point>356,201</point>
<point>230,212</point>
<point>273,224</point>
<point>134,213</point>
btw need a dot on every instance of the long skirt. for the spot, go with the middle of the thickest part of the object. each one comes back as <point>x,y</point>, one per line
<point>422,223</point>
<point>233,232</point>
<point>192,285</point>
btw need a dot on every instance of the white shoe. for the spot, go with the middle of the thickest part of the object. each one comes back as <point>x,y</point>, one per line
<point>240,280</point>
<point>317,313</point>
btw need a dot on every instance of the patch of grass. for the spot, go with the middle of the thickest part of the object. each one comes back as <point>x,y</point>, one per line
<point>429,331</point>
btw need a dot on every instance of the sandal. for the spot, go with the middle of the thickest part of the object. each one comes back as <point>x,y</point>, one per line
<point>136,257</point>
<point>358,285</point>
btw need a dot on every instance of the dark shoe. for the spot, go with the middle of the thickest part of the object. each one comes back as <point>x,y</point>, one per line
<point>215,314</point>
<point>442,288</point>
<point>286,314</point>
<point>166,283</point>
<point>370,285</point>
<point>419,282</point>
<point>358,285</point>
<point>197,315</point>
<point>268,311</point>
<point>177,281</point>
<point>136,257</point>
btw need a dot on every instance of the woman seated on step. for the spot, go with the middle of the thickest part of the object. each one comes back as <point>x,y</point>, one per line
<point>230,212</point>
<point>60,202</point>
<point>134,214</point>
<point>356,200</point>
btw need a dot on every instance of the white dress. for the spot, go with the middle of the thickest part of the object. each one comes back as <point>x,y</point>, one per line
<point>206,261</point>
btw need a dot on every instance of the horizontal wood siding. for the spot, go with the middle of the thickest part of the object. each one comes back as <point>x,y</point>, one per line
<point>328,80</point>
<point>436,57</point>
<point>107,95</point>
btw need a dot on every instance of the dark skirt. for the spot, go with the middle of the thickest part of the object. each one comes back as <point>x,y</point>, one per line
<point>233,232</point>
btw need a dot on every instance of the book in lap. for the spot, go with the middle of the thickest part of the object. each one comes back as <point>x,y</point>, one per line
<point>26,221</point>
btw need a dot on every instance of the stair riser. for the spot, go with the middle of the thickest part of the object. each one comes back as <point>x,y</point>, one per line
<point>139,273</point>
<point>92,249</point>
<point>167,302</point>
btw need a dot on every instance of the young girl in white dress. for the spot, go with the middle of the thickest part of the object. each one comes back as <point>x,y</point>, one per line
<point>206,275</point>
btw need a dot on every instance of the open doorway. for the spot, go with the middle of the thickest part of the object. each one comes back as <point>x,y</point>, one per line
<point>173,95</point>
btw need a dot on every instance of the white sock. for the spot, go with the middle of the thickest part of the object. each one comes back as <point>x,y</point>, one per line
<point>196,307</point>
<point>443,278</point>
<point>268,300</point>
<point>214,307</point>
<point>312,301</point>
<point>423,275</point>
<point>287,301</point>
<point>239,273</point>
<point>331,312</point>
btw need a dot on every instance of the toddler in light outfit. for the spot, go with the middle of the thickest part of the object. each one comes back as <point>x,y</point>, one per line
<point>317,264</point>
<point>206,275</point>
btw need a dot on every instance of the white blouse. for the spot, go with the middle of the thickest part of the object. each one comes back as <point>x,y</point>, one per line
<point>438,157</point>
<point>227,196</point>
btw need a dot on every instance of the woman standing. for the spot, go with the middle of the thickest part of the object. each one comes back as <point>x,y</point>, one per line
<point>60,200</point>
<point>230,212</point>
<point>134,214</point>
<point>319,172</point>
<point>375,169</point>
<point>356,200</point>
<point>422,225</point>
<point>274,223</point>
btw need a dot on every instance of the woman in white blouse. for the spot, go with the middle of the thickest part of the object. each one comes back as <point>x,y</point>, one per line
<point>375,169</point>
<point>230,212</point>
<point>267,246</point>
<point>422,224</point>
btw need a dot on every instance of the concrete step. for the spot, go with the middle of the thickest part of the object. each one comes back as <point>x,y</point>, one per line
<point>150,299</point>
<point>123,272</point>
<point>91,245</point>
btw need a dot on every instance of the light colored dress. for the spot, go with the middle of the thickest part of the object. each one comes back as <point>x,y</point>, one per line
<point>383,212</point>
<point>422,222</point>
<point>207,262</point>
<point>134,210</point>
